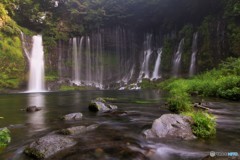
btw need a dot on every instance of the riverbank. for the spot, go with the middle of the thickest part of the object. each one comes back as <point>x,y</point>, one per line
<point>222,82</point>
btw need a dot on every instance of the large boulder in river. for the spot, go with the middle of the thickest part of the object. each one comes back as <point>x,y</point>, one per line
<point>73,117</point>
<point>171,126</point>
<point>99,104</point>
<point>49,145</point>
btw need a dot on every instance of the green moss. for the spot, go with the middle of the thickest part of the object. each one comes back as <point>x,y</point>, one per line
<point>67,88</point>
<point>5,138</point>
<point>72,88</point>
<point>109,99</point>
<point>51,78</point>
<point>187,33</point>
<point>168,49</point>
<point>204,125</point>
<point>33,153</point>
<point>147,84</point>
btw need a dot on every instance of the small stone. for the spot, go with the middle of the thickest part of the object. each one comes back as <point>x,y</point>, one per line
<point>73,116</point>
<point>33,109</point>
<point>78,130</point>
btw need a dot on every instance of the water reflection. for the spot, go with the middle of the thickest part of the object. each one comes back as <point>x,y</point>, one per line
<point>36,120</point>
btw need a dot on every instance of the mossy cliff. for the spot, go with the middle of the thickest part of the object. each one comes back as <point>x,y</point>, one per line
<point>12,61</point>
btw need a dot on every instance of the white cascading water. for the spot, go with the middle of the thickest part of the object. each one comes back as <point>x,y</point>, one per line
<point>147,54</point>
<point>192,68</point>
<point>36,74</point>
<point>89,63</point>
<point>177,58</point>
<point>157,65</point>
<point>76,59</point>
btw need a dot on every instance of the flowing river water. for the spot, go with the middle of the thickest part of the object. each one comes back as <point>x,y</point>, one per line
<point>119,136</point>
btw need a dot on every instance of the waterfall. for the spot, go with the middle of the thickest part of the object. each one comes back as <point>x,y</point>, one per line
<point>177,58</point>
<point>192,68</point>
<point>24,44</point>
<point>60,64</point>
<point>89,62</point>
<point>105,58</point>
<point>76,60</point>
<point>147,53</point>
<point>36,75</point>
<point>157,65</point>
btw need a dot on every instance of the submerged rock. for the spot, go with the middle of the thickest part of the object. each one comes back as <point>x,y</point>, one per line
<point>77,130</point>
<point>73,116</point>
<point>49,145</point>
<point>171,126</point>
<point>33,109</point>
<point>100,105</point>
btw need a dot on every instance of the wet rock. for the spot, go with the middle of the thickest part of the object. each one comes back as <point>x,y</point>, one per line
<point>171,126</point>
<point>73,116</point>
<point>49,145</point>
<point>33,109</point>
<point>201,106</point>
<point>78,130</point>
<point>100,105</point>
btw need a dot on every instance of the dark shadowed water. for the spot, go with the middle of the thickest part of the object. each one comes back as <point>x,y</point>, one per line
<point>119,136</point>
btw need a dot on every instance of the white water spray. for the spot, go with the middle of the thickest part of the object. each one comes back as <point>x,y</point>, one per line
<point>157,65</point>
<point>36,74</point>
<point>192,68</point>
<point>177,58</point>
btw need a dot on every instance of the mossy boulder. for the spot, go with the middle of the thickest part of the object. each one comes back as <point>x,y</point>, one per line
<point>77,130</point>
<point>100,105</point>
<point>49,145</point>
<point>171,126</point>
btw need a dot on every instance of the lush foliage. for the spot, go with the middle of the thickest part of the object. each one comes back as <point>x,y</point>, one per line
<point>4,137</point>
<point>11,57</point>
<point>147,84</point>
<point>223,82</point>
<point>12,62</point>
<point>204,125</point>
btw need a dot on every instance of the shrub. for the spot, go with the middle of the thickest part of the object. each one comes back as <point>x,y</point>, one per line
<point>204,125</point>
<point>4,137</point>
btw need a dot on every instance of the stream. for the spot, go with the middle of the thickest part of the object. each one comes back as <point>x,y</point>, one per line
<point>119,136</point>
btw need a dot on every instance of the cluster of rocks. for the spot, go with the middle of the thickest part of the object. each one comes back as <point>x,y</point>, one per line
<point>167,126</point>
<point>63,139</point>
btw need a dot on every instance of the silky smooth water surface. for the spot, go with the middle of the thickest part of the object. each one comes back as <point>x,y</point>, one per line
<point>119,135</point>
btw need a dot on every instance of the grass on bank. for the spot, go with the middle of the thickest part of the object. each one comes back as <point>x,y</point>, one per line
<point>222,82</point>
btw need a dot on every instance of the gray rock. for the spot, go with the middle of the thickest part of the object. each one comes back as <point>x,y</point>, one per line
<point>171,126</point>
<point>73,116</point>
<point>100,105</point>
<point>49,145</point>
<point>33,109</point>
<point>78,130</point>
